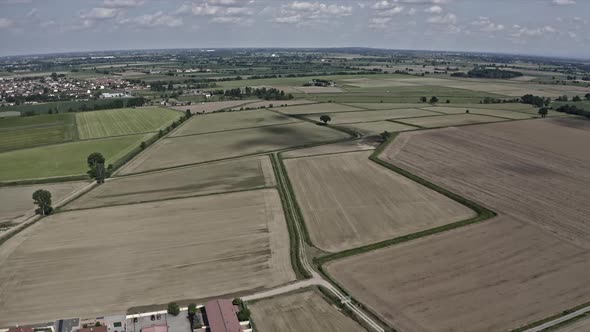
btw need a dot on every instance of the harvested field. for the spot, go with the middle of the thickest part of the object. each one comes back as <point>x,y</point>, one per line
<point>347,146</point>
<point>319,89</point>
<point>30,131</point>
<point>213,106</point>
<point>516,115</point>
<point>582,325</point>
<point>366,116</point>
<point>529,263</point>
<point>385,106</point>
<point>18,202</point>
<point>348,201</point>
<point>123,121</point>
<point>450,120</point>
<point>241,174</point>
<point>525,171</point>
<point>178,151</point>
<point>64,159</point>
<point>133,255</point>
<point>376,128</point>
<point>231,120</point>
<point>302,311</point>
<point>316,108</point>
<point>277,103</point>
<point>494,276</point>
<point>378,83</point>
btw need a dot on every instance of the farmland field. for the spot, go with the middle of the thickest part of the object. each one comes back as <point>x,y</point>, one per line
<point>348,201</point>
<point>17,201</point>
<point>302,311</point>
<point>347,146</point>
<point>213,106</point>
<point>63,159</point>
<point>276,103</point>
<point>319,89</point>
<point>482,111</point>
<point>172,249</point>
<point>316,108</point>
<point>494,276</point>
<point>24,132</point>
<point>231,120</point>
<point>177,151</point>
<point>450,120</point>
<point>529,263</point>
<point>375,128</point>
<point>386,106</point>
<point>365,116</point>
<point>240,174</point>
<point>582,325</point>
<point>123,121</point>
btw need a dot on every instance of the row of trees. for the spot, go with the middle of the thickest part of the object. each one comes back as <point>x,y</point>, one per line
<point>261,93</point>
<point>489,73</point>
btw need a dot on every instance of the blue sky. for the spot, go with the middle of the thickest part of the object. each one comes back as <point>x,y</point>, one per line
<point>541,27</point>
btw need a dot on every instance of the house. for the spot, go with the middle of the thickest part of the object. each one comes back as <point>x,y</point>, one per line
<point>222,316</point>
<point>155,328</point>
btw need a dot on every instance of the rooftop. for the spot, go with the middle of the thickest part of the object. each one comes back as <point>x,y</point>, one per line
<point>222,317</point>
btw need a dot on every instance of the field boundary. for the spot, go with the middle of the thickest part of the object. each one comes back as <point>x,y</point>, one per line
<point>228,130</point>
<point>554,317</point>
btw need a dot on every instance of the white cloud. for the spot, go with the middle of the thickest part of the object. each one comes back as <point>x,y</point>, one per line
<point>533,32</point>
<point>287,19</point>
<point>443,19</point>
<point>434,10</point>
<point>5,23</point>
<point>564,2</point>
<point>157,19</point>
<point>99,13</point>
<point>412,11</point>
<point>486,25</point>
<point>320,8</point>
<point>306,13</point>
<point>33,13</point>
<point>122,3</point>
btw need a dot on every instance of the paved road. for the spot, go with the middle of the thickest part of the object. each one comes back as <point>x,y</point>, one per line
<point>559,320</point>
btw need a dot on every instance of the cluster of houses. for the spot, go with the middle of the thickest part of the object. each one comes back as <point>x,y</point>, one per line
<point>51,86</point>
<point>219,315</point>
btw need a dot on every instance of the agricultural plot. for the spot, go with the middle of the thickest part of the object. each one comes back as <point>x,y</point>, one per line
<point>319,89</point>
<point>450,120</point>
<point>234,175</point>
<point>377,127</point>
<point>582,325</point>
<point>124,121</point>
<point>515,115</point>
<point>302,311</point>
<point>24,132</point>
<point>64,159</point>
<point>348,201</point>
<point>213,106</point>
<point>385,106</point>
<point>469,277</point>
<point>127,256</point>
<point>366,116</point>
<point>17,202</point>
<point>346,146</point>
<point>277,103</point>
<point>316,108</point>
<point>177,151</point>
<point>537,247</point>
<point>230,121</point>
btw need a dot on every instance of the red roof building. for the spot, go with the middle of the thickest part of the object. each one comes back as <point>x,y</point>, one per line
<point>94,329</point>
<point>222,316</point>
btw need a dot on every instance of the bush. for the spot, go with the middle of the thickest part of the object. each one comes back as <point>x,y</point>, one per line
<point>173,309</point>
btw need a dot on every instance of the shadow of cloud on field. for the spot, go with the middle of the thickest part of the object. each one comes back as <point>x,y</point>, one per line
<point>280,136</point>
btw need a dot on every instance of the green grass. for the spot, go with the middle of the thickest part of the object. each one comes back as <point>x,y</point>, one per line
<point>298,81</point>
<point>123,121</point>
<point>24,132</point>
<point>64,159</point>
<point>64,106</point>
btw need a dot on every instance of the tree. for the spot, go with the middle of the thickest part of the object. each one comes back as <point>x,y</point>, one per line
<point>467,111</point>
<point>423,99</point>
<point>192,312</point>
<point>385,135</point>
<point>143,145</point>
<point>433,100</point>
<point>325,118</point>
<point>188,113</point>
<point>448,101</point>
<point>577,99</point>
<point>587,96</point>
<point>96,164</point>
<point>543,111</point>
<point>173,309</point>
<point>42,198</point>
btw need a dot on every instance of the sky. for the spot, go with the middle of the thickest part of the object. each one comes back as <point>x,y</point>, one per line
<point>536,27</point>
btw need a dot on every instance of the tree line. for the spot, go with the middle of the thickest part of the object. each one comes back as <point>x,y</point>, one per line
<point>489,73</point>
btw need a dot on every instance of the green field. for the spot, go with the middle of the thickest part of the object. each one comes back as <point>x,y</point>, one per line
<point>67,106</point>
<point>24,132</point>
<point>298,81</point>
<point>63,159</point>
<point>123,121</point>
